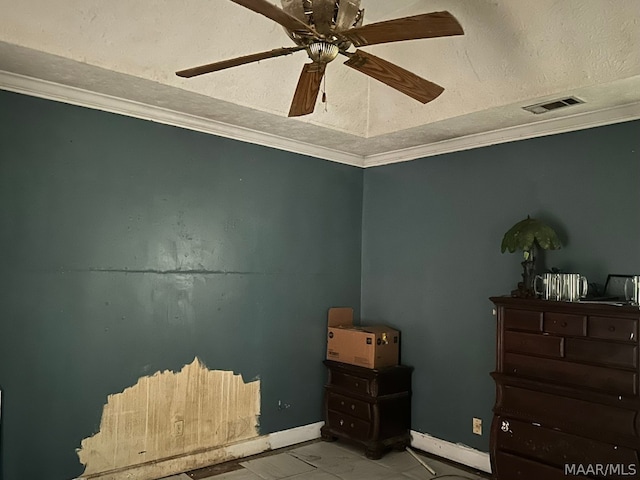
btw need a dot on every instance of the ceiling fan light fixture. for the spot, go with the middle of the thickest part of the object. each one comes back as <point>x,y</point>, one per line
<point>323,52</point>
<point>325,28</point>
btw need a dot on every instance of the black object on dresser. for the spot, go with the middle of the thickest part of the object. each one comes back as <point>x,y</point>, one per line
<point>567,401</point>
<point>371,407</point>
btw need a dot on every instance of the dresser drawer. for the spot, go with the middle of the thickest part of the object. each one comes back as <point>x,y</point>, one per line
<point>555,447</point>
<point>546,345</point>
<point>350,406</point>
<point>565,324</point>
<point>567,414</point>
<point>350,382</point>
<point>350,426</point>
<point>522,320</point>
<point>604,353</point>
<point>609,380</point>
<point>512,467</point>
<point>624,329</point>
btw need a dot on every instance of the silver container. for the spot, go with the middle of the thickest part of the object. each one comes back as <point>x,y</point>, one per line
<point>632,289</point>
<point>573,287</point>
<point>550,283</point>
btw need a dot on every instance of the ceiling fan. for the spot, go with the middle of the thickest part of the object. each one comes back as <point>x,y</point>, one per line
<point>326,28</point>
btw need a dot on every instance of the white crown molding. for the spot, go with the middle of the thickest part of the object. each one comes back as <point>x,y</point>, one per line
<point>543,128</point>
<point>98,101</point>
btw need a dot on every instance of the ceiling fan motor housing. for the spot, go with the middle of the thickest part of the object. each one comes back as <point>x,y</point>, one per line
<point>326,17</point>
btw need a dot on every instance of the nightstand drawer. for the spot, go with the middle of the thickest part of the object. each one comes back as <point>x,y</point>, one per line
<point>350,382</point>
<point>350,406</point>
<point>351,426</point>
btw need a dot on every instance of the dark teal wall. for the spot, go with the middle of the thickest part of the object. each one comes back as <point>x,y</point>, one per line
<point>432,230</point>
<point>130,247</point>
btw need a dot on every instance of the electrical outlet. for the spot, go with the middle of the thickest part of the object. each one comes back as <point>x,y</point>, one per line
<point>477,426</point>
<point>178,428</point>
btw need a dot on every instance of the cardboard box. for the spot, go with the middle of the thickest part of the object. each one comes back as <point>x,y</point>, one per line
<point>366,346</point>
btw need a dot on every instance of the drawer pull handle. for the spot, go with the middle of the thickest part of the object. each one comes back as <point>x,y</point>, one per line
<point>563,324</point>
<point>353,406</point>
<point>342,403</point>
<point>357,384</point>
<point>352,425</point>
<point>612,328</point>
<point>505,426</point>
<point>341,422</point>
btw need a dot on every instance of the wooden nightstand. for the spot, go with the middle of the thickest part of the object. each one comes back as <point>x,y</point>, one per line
<point>371,407</point>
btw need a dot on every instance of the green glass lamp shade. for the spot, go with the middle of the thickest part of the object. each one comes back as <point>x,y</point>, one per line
<point>527,233</point>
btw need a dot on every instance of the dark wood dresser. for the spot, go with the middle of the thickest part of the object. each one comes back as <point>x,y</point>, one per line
<point>371,407</point>
<point>567,401</point>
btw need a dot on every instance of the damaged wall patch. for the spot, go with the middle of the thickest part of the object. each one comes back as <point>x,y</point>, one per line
<point>172,414</point>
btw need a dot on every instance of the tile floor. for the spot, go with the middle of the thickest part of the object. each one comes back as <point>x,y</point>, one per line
<point>336,461</point>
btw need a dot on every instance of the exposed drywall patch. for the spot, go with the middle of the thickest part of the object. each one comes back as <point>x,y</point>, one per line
<point>170,415</point>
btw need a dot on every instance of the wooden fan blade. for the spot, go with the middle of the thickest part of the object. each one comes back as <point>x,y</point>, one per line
<point>428,25</point>
<point>234,62</point>
<point>278,15</point>
<point>396,77</point>
<point>304,100</point>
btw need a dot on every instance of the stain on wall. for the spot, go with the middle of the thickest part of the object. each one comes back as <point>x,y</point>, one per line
<point>171,414</point>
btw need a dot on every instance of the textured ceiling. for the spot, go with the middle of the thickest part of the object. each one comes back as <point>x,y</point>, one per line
<point>514,53</point>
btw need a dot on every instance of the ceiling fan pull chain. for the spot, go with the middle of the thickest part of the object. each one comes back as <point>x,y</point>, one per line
<point>324,92</point>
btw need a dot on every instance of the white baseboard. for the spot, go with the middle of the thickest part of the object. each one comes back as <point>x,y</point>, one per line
<point>212,456</point>
<point>292,436</point>
<point>452,451</point>
<point>455,452</point>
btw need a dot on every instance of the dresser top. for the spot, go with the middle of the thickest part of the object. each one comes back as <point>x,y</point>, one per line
<point>583,307</point>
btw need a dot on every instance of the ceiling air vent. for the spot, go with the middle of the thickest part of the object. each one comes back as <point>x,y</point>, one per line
<point>553,105</point>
